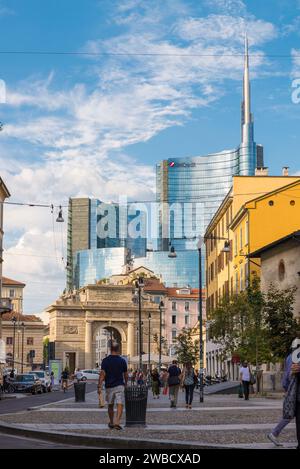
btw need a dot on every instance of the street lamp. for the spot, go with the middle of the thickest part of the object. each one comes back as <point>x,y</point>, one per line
<point>149,332</point>
<point>5,307</point>
<point>161,306</point>
<point>139,285</point>
<point>199,247</point>
<point>23,331</point>
<point>14,320</point>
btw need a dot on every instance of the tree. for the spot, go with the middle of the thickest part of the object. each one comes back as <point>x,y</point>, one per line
<point>186,348</point>
<point>239,326</point>
<point>45,350</point>
<point>282,326</point>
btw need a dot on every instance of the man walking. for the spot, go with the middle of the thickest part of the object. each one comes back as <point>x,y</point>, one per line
<point>245,379</point>
<point>114,374</point>
<point>174,373</point>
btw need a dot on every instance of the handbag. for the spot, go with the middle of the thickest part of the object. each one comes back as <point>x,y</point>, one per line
<point>252,377</point>
<point>290,400</point>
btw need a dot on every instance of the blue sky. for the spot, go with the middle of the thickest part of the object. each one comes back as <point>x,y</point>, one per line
<point>78,125</point>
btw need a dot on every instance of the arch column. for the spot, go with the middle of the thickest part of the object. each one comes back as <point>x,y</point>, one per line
<point>88,344</point>
<point>130,339</point>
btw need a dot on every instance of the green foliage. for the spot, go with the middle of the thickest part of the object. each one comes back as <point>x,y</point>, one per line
<point>45,349</point>
<point>282,326</point>
<point>186,349</point>
<point>258,327</point>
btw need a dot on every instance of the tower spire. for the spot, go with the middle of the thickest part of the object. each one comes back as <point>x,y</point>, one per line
<point>247,98</point>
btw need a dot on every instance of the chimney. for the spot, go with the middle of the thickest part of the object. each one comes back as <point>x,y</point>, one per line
<point>261,171</point>
<point>285,171</point>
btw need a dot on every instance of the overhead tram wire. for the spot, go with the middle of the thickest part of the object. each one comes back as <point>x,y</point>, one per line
<point>139,54</point>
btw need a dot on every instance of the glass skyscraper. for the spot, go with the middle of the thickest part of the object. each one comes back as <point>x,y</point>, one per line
<point>188,193</point>
<point>191,189</point>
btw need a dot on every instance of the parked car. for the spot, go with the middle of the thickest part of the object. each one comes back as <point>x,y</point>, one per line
<point>85,375</point>
<point>27,383</point>
<point>44,377</point>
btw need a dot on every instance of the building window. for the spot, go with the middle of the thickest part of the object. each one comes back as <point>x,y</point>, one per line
<point>29,340</point>
<point>173,305</point>
<point>281,270</point>
<point>173,319</point>
<point>174,334</point>
<point>271,203</point>
<point>186,320</point>
<point>236,282</point>
<point>12,293</point>
<point>241,280</point>
<point>235,245</point>
<point>241,238</point>
<point>9,340</point>
<point>187,306</point>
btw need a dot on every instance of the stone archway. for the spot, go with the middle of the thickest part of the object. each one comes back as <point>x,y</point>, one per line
<point>104,336</point>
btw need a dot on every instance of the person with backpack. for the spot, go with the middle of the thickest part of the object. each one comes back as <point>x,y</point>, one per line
<point>189,380</point>
<point>291,386</point>
<point>174,373</point>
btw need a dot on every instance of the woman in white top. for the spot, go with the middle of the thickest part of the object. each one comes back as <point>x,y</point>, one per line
<point>245,379</point>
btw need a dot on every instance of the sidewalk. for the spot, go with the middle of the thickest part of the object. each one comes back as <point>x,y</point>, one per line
<point>222,420</point>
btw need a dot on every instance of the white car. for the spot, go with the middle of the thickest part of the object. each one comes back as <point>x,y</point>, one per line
<point>44,377</point>
<point>85,375</point>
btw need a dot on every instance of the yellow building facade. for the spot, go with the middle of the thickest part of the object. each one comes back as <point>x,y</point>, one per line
<point>257,211</point>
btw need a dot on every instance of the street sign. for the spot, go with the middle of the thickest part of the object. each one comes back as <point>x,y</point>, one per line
<point>2,352</point>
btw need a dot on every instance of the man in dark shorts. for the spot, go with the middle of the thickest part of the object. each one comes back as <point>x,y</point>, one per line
<point>114,374</point>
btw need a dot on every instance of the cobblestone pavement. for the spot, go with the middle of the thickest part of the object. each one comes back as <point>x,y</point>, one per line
<point>220,420</point>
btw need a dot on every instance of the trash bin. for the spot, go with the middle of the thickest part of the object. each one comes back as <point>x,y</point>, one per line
<point>136,405</point>
<point>79,389</point>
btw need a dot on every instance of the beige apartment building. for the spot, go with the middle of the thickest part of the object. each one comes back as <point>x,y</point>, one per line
<point>13,290</point>
<point>23,341</point>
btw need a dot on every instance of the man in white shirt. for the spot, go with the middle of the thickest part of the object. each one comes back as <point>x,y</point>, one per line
<point>245,379</point>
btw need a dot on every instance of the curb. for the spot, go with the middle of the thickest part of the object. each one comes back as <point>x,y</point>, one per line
<point>113,442</point>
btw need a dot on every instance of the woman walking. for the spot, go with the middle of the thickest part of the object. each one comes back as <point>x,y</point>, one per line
<point>188,381</point>
<point>155,383</point>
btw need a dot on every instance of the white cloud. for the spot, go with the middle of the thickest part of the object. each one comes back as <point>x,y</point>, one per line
<point>226,28</point>
<point>78,135</point>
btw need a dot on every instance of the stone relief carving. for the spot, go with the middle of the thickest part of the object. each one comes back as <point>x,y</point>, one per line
<point>70,329</point>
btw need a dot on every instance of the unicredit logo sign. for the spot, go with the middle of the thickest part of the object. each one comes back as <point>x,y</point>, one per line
<point>172,164</point>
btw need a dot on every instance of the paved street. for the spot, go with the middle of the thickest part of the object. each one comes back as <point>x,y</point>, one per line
<point>221,420</point>
<point>24,401</point>
<point>17,442</point>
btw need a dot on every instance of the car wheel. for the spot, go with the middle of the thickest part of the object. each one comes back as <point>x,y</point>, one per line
<point>84,378</point>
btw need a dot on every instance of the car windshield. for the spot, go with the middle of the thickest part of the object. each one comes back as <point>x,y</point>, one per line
<point>40,374</point>
<point>25,378</point>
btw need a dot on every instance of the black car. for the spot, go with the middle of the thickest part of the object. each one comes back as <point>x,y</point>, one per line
<point>27,383</point>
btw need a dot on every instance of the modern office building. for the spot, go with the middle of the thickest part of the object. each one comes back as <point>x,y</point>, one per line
<point>188,193</point>
<point>99,241</point>
<point>191,189</point>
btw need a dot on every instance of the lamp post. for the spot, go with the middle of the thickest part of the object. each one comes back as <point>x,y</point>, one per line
<point>14,320</point>
<point>149,332</point>
<point>139,285</point>
<point>161,305</point>
<point>23,332</point>
<point>199,247</point>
